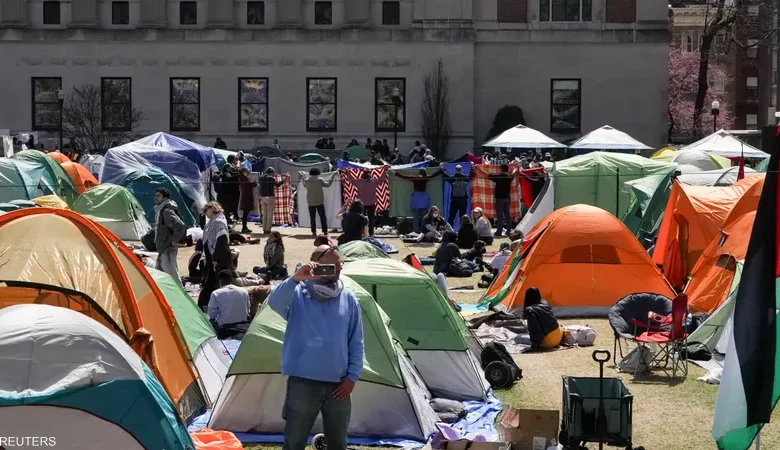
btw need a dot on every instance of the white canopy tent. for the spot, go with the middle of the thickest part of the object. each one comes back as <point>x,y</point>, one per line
<point>723,143</point>
<point>608,139</point>
<point>520,136</point>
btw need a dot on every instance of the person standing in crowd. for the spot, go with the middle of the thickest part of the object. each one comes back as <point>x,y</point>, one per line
<point>229,190</point>
<point>354,224</point>
<point>459,196</point>
<point>169,230</point>
<point>366,193</point>
<point>216,250</point>
<point>246,187</point>
<point>315,197</point>
<point>322,351</point>
<point>420,201</point>
<point>229,304</point>
<point>267,184</point>
<point>503,195</point>
<point>482,226</point>
<point>273,256</point>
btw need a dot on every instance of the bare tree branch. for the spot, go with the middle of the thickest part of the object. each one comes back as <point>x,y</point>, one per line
<point>82,118</point>
<point>436,127</point>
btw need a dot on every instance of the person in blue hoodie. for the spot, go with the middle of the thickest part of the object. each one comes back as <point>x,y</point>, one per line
<point>322,352</point>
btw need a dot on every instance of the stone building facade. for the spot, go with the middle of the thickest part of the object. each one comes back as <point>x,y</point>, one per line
<point>299,70</point>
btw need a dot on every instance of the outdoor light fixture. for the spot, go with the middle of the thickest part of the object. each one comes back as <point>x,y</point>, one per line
<point>715,112</point>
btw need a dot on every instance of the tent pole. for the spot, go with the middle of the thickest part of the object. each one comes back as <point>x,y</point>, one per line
<point>617,192</point>
<point>758,440</point>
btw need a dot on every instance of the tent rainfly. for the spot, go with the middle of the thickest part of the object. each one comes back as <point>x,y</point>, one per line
<point>521,136</point>
<point>390,400</point>
<point>722,143</point>
<point>607,139</point>
<point>116,208</point>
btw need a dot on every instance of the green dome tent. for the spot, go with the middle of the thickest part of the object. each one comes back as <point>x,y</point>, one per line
<point>311,158</point>
<point>116,208</point>
<point>357,250</point>
<point>390,401</point>
<point>203,349</point>
<point>143,183</point>
<point>432,332</point>
<point>20,180</point>
<point>55,178</point>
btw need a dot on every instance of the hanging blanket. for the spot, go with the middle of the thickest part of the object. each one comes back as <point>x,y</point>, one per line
<point>283,212</point>
<point>283,165</point>
<point>482,190</point>
<point>382,191</point>
<point>449,169</point>
<point>401,191</point>
<point>332,196</point>
<point>531,184</point>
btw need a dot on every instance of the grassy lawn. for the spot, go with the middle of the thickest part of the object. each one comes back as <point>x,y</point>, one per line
<point>667,415</point>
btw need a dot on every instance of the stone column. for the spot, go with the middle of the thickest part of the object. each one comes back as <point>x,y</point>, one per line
<point>153,14</point>
<point>357,13</point>
<point>83,14</point>
<point>289,13</point>
<point>220,14</point>
<point>14,13</point>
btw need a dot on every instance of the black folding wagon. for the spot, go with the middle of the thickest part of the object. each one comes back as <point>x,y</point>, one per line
<point>596,410</point>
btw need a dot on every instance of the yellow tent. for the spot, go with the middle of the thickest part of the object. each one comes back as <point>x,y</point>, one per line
<point>51,201</point>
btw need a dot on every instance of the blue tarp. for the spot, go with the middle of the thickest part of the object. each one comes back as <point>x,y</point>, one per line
<point>344,164</point>
<point>449,169</point>
<point>387,248</point>
<point>479,420</point>
<point>199,154</point>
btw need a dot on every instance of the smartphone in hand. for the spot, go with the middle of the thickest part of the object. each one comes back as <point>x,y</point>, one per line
<point>324,270</point>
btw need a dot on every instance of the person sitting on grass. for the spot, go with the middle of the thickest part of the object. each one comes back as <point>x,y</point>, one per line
<point>433,225</point>
<point>543,328</point>
<point>273,255</point>
<point>466,234</point>
<point>474,256</point>
<point>353,223</point>
<point>447,253</point>
<point>482,226</point>
<point>500,259</point>
<point>228,307</point>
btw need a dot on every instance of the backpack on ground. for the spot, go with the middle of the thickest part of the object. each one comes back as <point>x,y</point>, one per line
<point>500,368</point>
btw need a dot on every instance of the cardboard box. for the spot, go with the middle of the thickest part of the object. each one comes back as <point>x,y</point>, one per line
<point>529,429</point>
<point>465,444</point>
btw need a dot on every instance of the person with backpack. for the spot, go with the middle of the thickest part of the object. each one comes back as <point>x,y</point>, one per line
<point>169,230</point>
<point>459,197</point>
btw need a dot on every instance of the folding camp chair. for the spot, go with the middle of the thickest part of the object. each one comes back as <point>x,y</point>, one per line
<point>669,334</point>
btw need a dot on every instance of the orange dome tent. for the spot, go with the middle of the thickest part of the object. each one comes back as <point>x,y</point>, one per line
<point>80,176</point>
<point>692,218</point>
<point>582,259</point>
<point>712,276</point>
<point>57,156</point>
<point>58,257</point>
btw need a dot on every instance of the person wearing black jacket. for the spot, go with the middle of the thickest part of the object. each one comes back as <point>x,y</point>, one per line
<point>503,195</point>
<point>447,253</point>
<point>267,183</point>
<point>420,200</point>
<point>459,183</point>
<point>543,328</point>
<point>466,234</point>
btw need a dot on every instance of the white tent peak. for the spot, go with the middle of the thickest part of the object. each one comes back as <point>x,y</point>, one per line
<point>608,138</point>
<point>521,136</point>
<point>723,143</point>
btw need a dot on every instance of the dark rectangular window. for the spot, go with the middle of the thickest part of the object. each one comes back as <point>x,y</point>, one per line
<point>188,13</point>
<point>253,104</point>
<point>116,104</point>
<point>321,104</point>
<point>46,104</point>
<point>391,13</point>
<point>565,10</point>
<point>51,13</point>
<point>185,104</point>
<point>389,101</point>
<point>512,11</point>
<point>120,13</point>
<point>565,106</point>
<point>255,13</point>
<point>323,13</point>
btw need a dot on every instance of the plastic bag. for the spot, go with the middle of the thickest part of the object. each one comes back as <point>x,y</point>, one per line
<point>208,439</point>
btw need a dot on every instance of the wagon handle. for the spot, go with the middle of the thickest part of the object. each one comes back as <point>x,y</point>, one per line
<point>606,354</point>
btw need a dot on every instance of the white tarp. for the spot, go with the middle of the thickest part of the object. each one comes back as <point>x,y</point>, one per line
<point>726,145</point>
<point>521,136</point>
<point>332,196</point>
<point>542,206</point>
<point>718,177</point>
<point>212,362</point>
<point>608,138</point>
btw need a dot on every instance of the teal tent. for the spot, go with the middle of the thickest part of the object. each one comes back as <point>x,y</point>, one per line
<point>143,183</point>
<point>20,180</point>
<point>311,158</point>
<point>358,250</point>
<point>116,208</point>
<point>55,179</point>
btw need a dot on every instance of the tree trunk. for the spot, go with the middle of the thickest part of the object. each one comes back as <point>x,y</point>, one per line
<point>707,37</point>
